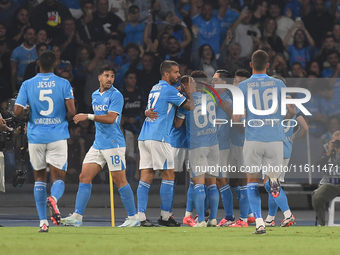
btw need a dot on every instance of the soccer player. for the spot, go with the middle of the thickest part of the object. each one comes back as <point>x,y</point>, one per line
<point>51,103</point>
<point>281,201</point>
<point>264,143</point>
<point>224,112</point>
<point>154,144</point>
<point>203,149</point>
<point>108,148</point>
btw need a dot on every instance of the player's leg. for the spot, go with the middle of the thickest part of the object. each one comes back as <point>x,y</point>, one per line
<point>188,219</point>
<point>272,206</point>
<point>224,188</point>
<point>93,162</point>
<point>180,161</point>
<point>56,157</point>
<point>253,153</point>
<point>146,178</point>
<point>115,159</point>
<point>199,196</point>
<point>37,154</point>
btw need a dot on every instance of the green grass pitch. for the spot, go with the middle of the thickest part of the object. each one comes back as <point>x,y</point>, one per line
<point>162,240</point>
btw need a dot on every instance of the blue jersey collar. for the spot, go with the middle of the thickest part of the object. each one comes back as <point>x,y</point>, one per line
<point>262,75</point>
<point>45,74</point>
<point>163,82</point>
<point>109,90</point>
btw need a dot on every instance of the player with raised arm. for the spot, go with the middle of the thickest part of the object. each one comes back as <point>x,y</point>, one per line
<point>281,201</point>
<point>51,103</point>
<point>108,148</point>
<point>203,149</point>
<point>263,146</point>
<point>154,144</point>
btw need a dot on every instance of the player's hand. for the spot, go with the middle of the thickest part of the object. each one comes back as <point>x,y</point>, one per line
<point>151,114</point>
<point>291,111</point>
<point>80,117</point>
<point>2,121</point>
<point>226,107</point>
<point>330,148</point>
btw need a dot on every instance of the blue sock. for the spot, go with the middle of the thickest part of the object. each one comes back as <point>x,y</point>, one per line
<point>173,196</point>
<point>128,200</point>
<point>57,189</point>
<point>244,202</point>
<point>214,199</point>
<point>40,196</point>
<point>237,191</point>
<point>206,200</point>
<point>190,197</point>
<point>142,196</point>
<point>254,199</point>
<point>227,200</point>
<point>166,192</point>
<point>83,197</point>
<point>199,201</point>
<point>280,201</point>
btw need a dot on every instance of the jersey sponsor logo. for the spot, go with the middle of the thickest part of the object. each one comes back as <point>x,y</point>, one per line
<point>132,105</point>
<point>100,107</point>
<point>47,121</point>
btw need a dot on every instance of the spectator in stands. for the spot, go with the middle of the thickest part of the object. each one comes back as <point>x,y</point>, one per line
<point>42,37</point>
<point>144,9</point>
<point>7,9</point>
<point>118,7</point>
<point>21,57</point>
<point>79,74</point>
<point>318,22</point>
<point>209,25</point>
<point>32,69</point>
<point>92,69</point>
<point>328,44</point>
<point>314,67</point>
<point>206,60</point>
<point>88,27</point>
<point>269,33</point>
<point>132,121</point>
<point>329,184</point>
<point>61,64</point>
<point>332,126</point>
<point>331,104</point>
<point>149,74</point>
<point>283,23</point>
<point>5,72</point>
<point>116,53</point>
<point>49,15</point>
<point>162,48</point>
<point>133,29</point>
<point>336,33</point>
<point>333,71</point>
<point>175,51</point>
<point>230,17</point>
<point>18,25</point>
<point>303,44</point>
<point>134,54</point>
<point>246,34</point>
<point>293,9</point>
<point>5,39</point>
<point>109,20</point>
<point>70,40</point>
<point>297,70</point>
<point>260,9</point>
<point>230,57</point>
<point>74,7</point>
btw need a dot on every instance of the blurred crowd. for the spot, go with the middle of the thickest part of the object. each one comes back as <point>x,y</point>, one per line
<point>302,38</point>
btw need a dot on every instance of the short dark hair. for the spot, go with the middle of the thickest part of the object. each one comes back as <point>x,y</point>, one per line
<point>296,63</point>
<point>242,73</point>
<point>39,45</point>
<point>130,71</point>
<point>131,46</point>
<point>198,74</point>
<point>223,73</point>
<point>185,79</point>
<point>47,60</point>
<point>133,8</point>
<point>260,60</point>
<point>104,68</point>
<point>28,28</point>
<point>331,52</point>
<point>166,66</point>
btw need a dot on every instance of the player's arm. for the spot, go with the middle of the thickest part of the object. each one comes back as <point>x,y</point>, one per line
<point>188,105</point>
<point>178,122</point>
<point>151,114</point>
<point>71,108</point>
<point>303,127</point>
<point>291,111</point>
<point>108,118</point>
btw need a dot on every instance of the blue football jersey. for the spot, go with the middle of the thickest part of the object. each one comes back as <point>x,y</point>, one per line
<point>108,135</point>
<point>236,137</point>
<point>162,97</point>
<point>223,132</point>
<point>201,131</point>
<point>179,136</point>
<point>262,86</point>
<point>46,94</point>
<point>288,142</point>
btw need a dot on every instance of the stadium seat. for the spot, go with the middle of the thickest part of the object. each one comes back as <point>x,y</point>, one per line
<point>331,212</point>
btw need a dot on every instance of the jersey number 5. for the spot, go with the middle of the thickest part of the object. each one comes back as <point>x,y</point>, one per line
<point>43,97</point>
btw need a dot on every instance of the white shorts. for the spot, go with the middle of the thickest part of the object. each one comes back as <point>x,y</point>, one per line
<point>115,158</point>
<point>155,155</point>
<point>265,156</point>
<point>236,156</point>
<point>181,158</point>
<point>54,153</point>
<point>281,176</point>
<point>204,160</point>
<point>223,162</point>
